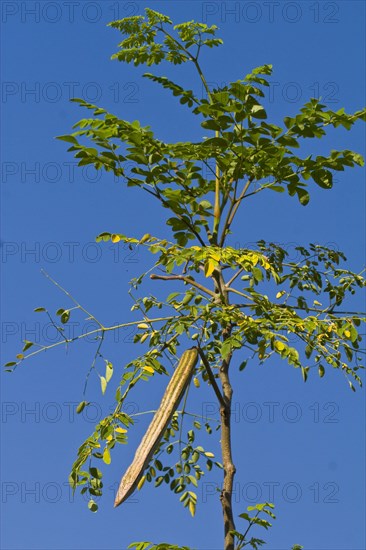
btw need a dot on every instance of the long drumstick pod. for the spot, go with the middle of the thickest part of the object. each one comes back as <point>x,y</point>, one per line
<point>169,403</point>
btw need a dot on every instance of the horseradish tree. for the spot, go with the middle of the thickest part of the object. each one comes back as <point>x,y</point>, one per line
<point>217,304</point>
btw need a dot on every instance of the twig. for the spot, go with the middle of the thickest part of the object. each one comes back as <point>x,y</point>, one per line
<point>185,279</point>
<point>232,211</point>
<point>71,297</point>
<point>229,283</point>
<point>211,376</point>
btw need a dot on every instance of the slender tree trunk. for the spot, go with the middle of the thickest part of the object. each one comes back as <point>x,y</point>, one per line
<point>227,459</point>
<point>225,417</point>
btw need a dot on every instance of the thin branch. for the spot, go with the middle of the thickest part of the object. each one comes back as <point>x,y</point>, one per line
<point>96,331</point>
<point>361,315</point>
<point>232,211</point>
<point>229,283</point>
<point>211,376</point>
<point>185,279</point>
<point>229,289</point>
<point>92,367</point>
<point>71,297</point>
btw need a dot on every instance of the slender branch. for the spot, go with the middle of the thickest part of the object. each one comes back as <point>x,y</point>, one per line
<point>294,308</point>
<point>232,211</point>
<point>229,283</point>
<point>217,210</point>
<point>185,279</point>
<point>229,289</point>
<point>96,355</point>
<point>211,376</point>
<point>96,331</point>
<point>71,297</point>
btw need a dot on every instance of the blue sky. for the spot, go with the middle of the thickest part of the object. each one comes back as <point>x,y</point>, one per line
<point>301,446</point>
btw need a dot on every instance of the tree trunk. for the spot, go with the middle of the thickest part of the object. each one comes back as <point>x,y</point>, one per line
<point>229,468</point>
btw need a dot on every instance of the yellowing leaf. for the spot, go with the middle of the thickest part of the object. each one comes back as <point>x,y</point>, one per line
<point>107,456</point>
<point>280,293</point>
<point>108,371</point>
<point>148,369</point>
<point>103,384</point>
<point>142,325</point>
<point>210,266</point>
<point>192,508</point>
<point>215,255</point>
<point>109,437</point>
<point>120,430</point>
<point>144,337</point>
<point>279,346</point>
<point>115,238</point>
<point>346,333</point>
<point>254,259</point>
<point>145,238</point>
<point>196,382</point>
<point>141,482</point>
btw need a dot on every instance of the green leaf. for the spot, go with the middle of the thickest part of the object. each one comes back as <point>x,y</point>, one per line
<point>92,505</point>
<point>95,472</point>
<point>258,111</point>
<point>226,349</point>
<point>217,141</point>
<point>27,345</point>
<point>277,188</point>
<point>288,140</point>
<point>68,138</point>
<point>210,125</point>
<point>323,178</point>
<point>303,196</point>
<point>38,309</point>
<point>81,407</point>
<point>65,316</point>
<point>243,365</point>
<point>304,372</point>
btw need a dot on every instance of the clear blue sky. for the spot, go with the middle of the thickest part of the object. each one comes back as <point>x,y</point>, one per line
<point>309,456</point>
